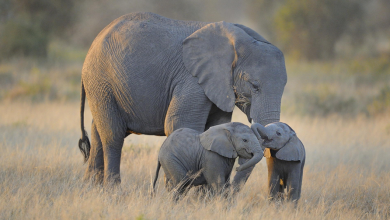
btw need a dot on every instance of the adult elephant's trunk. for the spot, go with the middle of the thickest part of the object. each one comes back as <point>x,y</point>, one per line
<point>265,109</point>
<point>253,161</point>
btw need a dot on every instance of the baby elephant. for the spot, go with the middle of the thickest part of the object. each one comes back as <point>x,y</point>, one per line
<point>209,155</point>
<point>285,159</point>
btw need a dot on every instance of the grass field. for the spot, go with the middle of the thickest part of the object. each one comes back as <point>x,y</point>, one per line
<point>347,172</point>
<point>340,111</point>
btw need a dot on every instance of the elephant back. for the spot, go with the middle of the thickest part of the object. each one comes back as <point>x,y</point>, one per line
<point>137,41</point>
<point>133,27</point>
<point>137,55</point>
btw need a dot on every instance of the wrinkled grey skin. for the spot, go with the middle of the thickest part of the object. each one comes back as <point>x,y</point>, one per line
<point>285,155</point>
<point>147,74</point>
<point>191,158</point>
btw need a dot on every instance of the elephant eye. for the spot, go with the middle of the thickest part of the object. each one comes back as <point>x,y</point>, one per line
<point>255,86</point>
<point>245,140</point>
<point>278,133</point>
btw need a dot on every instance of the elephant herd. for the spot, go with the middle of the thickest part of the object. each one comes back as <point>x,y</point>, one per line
<point>147,74</point>
<point>191,158</point>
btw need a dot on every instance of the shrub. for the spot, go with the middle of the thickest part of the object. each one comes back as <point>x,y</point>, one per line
<point>36,91</point>
<point>310,29</point>
<point>323,101</point>
<point>375,66</point>
<point>381,102</point>
<point>22,38</point>
<point>26,26</point>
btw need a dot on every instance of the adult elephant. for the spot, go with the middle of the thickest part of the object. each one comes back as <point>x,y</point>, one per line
<point>148,74</point>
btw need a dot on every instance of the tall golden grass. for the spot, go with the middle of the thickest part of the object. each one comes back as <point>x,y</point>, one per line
<point>347,172</point>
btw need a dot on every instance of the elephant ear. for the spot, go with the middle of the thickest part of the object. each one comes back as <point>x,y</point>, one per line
<point>218,140</point>
<point>292,151</point>
<point>209,54</point>
<point>252,33</point>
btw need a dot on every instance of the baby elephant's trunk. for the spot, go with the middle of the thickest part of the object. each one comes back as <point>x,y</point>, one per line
<point>253,161</point>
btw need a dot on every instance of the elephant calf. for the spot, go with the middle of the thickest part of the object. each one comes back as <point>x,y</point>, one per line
<point>190,158</point>
<point>285,155</point>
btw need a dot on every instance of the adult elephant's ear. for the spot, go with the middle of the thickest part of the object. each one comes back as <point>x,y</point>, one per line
<point>218,140</point>
<point>292,151</point>
<point>209,54</point>
<point>252,33</point>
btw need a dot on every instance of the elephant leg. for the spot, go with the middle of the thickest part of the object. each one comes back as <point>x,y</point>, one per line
<point>112,131</point>
<point>189,108</point>
<point>282,186</point>
<point>293,186</point>
<point>216,182</point>
<point>181,184</point>
<point>176,179</point>
<point>95,167</point>
<point>202,190</point>
<point>241,176</point>
<point>168,183</point>
<point>300,178</point>
<point>217,117</point>
<point>181,189</point>
<point>112,158</point>
<point>274,187</point>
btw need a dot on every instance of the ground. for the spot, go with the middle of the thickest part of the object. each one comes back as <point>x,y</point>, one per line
<point>347,172</point>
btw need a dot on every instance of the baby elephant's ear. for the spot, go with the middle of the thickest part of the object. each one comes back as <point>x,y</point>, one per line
<point>293,151</point>
<point>218,140</point>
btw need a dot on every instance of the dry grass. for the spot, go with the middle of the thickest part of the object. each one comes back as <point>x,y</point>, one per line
<point>346,174</point>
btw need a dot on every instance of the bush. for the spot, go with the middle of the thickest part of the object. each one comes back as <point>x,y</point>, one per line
<point>381,102</point>
<point>22,38</point>
<point>374,66</point>
<point>36,91</point>
<point>323,101</point>
<point>310,29</point>
<point>26,26</point>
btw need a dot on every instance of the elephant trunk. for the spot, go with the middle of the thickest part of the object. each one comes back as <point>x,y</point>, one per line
<point>265,109</point>
<point>260,131</point>
<point>253,161</point>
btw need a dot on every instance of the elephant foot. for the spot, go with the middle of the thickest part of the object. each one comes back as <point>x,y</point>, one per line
<point>178,194</point>
<point>202,190</point>
<point>112,181</point>
<point>96,178</point>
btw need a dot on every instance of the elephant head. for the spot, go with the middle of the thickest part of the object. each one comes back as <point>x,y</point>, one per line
<point>281,138</point>
<point>236,66</point>
<point>231,140</point>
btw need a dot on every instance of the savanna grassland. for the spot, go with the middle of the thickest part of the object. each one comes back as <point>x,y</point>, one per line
<point>340,111</point>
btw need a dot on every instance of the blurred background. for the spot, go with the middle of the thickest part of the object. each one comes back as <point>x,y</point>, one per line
<point>337,51</point>
<point>337,99</point>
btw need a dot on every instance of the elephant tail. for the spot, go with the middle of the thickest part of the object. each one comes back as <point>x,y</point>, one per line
<point>156,177</point>
<point>84,144</point>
